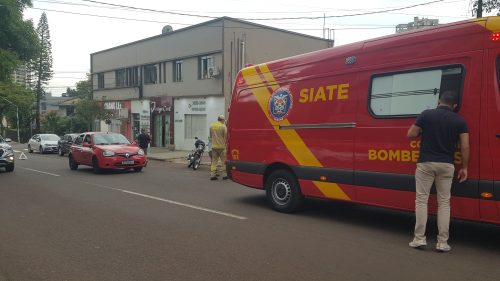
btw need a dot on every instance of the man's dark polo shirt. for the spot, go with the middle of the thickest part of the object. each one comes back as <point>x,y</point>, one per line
<point>441,128</point>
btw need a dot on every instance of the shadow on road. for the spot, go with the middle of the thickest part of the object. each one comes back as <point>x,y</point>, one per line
<point>479,235</point>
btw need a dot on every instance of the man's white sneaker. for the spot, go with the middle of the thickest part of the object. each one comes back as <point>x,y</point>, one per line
<point>417,243</point>
<point>443,247</point>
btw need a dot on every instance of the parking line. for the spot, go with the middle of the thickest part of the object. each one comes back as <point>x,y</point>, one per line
<point>171,202</point>
<point>42,172</point>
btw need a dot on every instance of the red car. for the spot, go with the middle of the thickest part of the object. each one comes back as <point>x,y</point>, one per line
<point>106,151</point>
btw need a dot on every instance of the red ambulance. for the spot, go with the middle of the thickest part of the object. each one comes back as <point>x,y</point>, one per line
<point>332,123</point>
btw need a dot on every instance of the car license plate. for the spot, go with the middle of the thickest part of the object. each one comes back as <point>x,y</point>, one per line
<point>128,162</point>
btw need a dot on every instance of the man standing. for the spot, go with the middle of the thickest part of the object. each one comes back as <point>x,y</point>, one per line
<point>143,140</point>
<point>218,137</point>
<point>441,129</point>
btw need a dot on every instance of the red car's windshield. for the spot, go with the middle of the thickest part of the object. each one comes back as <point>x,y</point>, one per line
<point>107,139</point>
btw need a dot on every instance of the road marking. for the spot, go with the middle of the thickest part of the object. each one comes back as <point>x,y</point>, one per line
<point>41,172</point>
<point>171,202</point>
<point>17,151</point>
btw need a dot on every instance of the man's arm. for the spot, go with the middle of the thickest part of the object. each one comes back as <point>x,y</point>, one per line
<point>465,150</point>
<point>413,131</point>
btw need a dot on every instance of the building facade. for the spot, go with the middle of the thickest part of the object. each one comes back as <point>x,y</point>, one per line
<point>416,24</point>
<point>177,83</point>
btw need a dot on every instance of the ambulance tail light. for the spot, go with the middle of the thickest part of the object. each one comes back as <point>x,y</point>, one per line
<point>495,37</point>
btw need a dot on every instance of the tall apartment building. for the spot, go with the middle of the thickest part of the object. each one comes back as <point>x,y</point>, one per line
<point>21,76</point>
<point>416,24</point>
<point>176,84</point>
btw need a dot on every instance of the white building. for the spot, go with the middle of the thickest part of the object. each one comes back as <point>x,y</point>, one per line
<point>177,83</point>
<point>416,24</point>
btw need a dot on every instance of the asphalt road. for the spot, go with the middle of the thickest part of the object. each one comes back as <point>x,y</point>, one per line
<point>171,223</point>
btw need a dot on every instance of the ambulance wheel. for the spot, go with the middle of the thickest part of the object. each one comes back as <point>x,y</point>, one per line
<point>283,191</point>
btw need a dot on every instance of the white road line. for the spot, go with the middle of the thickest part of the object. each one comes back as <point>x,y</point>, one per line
<point>17,151</point>
<point>171,202</point>
<point>41,172</point>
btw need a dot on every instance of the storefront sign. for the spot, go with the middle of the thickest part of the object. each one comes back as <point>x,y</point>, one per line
<point>112,105</point>
<point>159,105</point>
<point>198,105</point>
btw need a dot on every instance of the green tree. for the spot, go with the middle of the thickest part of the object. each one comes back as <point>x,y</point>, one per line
<point>83,89</point>
<point>42,64</point>
<point>488,6</point>
<point>52,123</point>
<point>23,98</point>
<point>18,39</point>
<point>87,111</point>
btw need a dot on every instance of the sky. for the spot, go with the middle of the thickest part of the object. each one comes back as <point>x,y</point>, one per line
<point>81,27</point>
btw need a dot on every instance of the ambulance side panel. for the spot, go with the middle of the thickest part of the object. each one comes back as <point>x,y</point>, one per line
<point>396,93</point>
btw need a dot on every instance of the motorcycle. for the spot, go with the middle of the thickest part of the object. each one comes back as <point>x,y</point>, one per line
<point>194,158</point>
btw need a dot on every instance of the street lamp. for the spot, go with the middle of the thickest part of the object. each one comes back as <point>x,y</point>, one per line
<point>17,115</point>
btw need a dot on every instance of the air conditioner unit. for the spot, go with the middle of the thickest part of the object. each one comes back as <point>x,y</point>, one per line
<point>213,72</point>
<point>123,113</point>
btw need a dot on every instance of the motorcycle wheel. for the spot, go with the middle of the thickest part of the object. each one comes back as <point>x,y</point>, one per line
<point>196,162</point>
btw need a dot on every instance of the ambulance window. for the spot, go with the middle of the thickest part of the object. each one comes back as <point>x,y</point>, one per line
<point>409,93</point>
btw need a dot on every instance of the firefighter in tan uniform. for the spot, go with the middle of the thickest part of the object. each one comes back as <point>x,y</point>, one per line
<point>218,137</point>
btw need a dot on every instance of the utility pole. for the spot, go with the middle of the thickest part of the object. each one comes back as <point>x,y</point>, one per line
<point>479,9</point>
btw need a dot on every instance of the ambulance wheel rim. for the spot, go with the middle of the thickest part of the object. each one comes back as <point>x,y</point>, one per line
<point>281,191</point>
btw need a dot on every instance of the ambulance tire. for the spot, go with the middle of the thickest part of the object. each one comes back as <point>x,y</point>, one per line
<point>283,191</point>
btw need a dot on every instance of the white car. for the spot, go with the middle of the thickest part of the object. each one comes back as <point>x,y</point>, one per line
<point>43,143</point>
<point>6,155</point>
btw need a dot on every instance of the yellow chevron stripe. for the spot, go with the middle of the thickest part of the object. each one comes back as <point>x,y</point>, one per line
<point>490,23</point>
<point>290,138</point>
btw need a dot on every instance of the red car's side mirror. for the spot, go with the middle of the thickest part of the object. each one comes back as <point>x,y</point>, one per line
<point>86,144</point>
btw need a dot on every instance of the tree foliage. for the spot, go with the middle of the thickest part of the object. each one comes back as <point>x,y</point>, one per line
<point>83,89</point>
<point>488,6</point>
<point>18,39</point>
<point>90,110</point>
<point>22,98</point>
<point>42,64</point>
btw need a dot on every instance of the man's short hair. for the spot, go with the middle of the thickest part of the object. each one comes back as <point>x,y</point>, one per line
<point>221,117</point>
<point>448,97</point>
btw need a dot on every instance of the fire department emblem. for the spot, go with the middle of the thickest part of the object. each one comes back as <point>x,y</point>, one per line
<point>280,104</point>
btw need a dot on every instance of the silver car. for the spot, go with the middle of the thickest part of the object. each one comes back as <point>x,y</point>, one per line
<point>43,143</point>
<point>6,156</point>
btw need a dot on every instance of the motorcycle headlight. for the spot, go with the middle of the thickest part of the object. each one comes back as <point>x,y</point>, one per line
<point>140,152</point>
<point>108,153</point>
<point>11,158</point>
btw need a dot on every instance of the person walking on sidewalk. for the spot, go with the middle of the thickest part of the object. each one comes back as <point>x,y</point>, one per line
<point>144,139</point>
<point>218,137</point>
<point>441,129</point>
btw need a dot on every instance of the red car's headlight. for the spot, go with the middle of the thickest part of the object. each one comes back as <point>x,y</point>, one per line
<point>108,153</point>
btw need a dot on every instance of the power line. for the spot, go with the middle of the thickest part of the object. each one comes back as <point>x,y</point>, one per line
<point>266,19</point>
<point>350,15</point>
<point>152,10</point>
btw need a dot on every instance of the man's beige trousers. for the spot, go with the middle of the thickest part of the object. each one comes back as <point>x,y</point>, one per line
<point>426,174</point>
<point>218,154</point>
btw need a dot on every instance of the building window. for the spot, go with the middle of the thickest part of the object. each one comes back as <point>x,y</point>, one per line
<point>120,78</point>
<point>150,74</point>
<point>43,106</point>
<point>177,71</point>
<point>100,80</point>
<point>195,125</point>
<point>160,70</point>
<point>411,92</point>
<point>204,64</point>
<point>132,76</point>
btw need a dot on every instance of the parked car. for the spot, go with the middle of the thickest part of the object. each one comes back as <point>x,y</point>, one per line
<point>106,151</point>
<point>6,155</point>
<point>43,143</point>
<point>65,143</point>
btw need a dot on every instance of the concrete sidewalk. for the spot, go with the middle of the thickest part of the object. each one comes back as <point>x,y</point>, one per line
<point>176,156</point>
